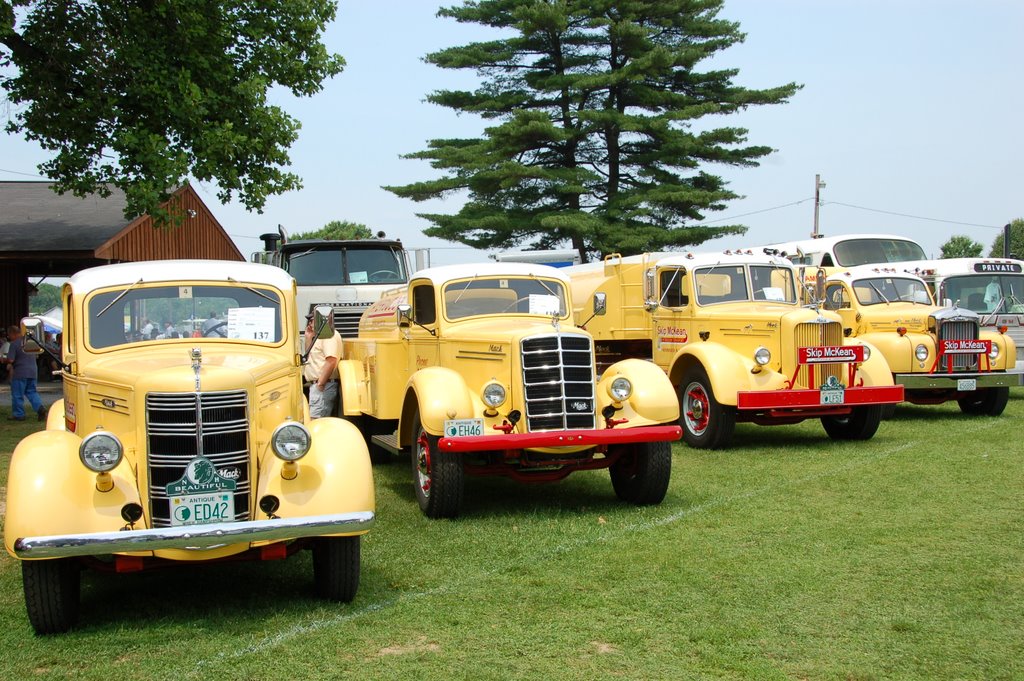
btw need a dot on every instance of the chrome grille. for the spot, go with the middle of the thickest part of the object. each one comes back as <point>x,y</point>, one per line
<point>558,382</point>
<point>816,334</point>
<point>959,330</point>
<point>180,427</point>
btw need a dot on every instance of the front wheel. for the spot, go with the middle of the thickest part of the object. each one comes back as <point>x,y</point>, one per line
<point>336,567</point>
<point>860,424</point>
<point>437,476</point>
<point>641,476</point>
<point>706,423</point>
<point>989,401</point>
<point>51,594</point>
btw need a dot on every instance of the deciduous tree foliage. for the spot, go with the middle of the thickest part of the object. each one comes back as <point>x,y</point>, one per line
<point>142,95</point>
<point>603,126</point>
<point>337,229</point>
<point>1016,240</point>
<point>960,246</point>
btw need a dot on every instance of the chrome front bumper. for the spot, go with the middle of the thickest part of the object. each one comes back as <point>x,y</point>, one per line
<point>192,537</point>
<point>937,381</point>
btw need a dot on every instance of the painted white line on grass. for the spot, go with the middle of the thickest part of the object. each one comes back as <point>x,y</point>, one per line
<point>285,635</point>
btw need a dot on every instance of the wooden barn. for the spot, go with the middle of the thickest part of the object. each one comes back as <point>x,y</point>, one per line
<point>45,234</point>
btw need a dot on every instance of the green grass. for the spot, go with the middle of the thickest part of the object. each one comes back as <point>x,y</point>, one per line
<point>786,557</point>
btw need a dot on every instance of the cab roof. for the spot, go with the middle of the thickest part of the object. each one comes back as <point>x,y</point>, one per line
<point>170,271</point>
<point>893,269</point>
<point>959,266</point>
<point>689,260</point>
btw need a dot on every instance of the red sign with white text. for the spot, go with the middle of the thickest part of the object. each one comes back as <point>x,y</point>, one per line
<point>831,354</point>
<point>966,347</point>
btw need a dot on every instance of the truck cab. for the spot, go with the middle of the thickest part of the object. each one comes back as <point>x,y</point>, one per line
<point>480,370</point>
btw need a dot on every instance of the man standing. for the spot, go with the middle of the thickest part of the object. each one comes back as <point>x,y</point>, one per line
<point>24,373</point>
<point>322,370</point>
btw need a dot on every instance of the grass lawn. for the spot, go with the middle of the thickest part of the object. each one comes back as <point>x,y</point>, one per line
<point>786,557</point>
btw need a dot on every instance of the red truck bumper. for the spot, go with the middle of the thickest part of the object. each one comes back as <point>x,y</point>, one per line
<point>811,399</point>
<point>562,438</point>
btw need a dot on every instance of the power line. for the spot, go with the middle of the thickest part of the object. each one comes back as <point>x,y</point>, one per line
<point>755,212</point>
<point>15,172</point>
<point>914,217</point>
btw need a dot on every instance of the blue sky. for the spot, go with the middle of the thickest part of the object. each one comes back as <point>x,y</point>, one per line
<point>908,106</point>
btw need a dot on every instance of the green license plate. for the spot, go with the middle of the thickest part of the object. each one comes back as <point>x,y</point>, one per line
<point>463,427</point>
<point>832,396</point>
<point>201,509</point>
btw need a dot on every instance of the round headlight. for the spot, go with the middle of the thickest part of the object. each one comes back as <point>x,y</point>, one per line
<point>620,389</point>
<point>762,355</point>
<point>290,441</point>
<point>867,353</point>
<point>993,354</point>
<point>494,394</point>
<point>921,352</point>
<point>100,451</point>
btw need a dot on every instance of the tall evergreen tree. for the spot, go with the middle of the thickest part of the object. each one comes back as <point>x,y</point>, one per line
<point>597,141</point>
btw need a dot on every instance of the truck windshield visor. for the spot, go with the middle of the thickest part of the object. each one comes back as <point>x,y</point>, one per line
<point>504,295</point>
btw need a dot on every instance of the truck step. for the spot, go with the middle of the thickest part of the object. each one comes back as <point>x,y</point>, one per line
<point>388,442</point>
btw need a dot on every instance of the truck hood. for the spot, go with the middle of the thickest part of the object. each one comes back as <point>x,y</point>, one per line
<point>495,330</point>
<point>889,317</point>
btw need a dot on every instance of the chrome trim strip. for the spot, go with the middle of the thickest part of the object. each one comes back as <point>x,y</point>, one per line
<point>192,537</point>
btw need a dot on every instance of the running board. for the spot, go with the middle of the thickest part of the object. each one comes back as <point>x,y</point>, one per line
<point>388,442</point>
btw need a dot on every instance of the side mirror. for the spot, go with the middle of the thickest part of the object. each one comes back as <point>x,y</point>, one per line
<point>404,315</point>
<point>819,285</point>
<point>600,304</point>
<point>323,321</point>
<point>32,332</point>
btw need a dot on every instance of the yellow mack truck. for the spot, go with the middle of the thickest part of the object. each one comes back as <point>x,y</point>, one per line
<point>177,447</point>
<point>937,354</point>
<point>479,370</point>
<point>729,332</point>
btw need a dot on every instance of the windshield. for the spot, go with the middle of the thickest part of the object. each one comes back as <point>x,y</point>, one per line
<point>891,290</point>
<point>729,284</point>
<point>133,315</point>
<point>344,266</point>
<point>868,251</point>
<point>504,295</point>
<point>997,293</point>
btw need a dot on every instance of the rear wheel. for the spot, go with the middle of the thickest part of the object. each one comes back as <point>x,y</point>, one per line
<point>641,476</point>
<point>706,423</point>
<point>336,567</point>
<point>51,593</point>
<point>860,424</point>
<point>988,401</point>
<point>436,476</point>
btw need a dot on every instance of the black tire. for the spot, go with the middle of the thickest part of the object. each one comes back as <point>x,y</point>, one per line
<point>888,411</point>
<point>641,477</point>
<point>706,423</point>
<point>437,476</point>
<point>51,594</point>
<point>861,424</point>
<point>986,402</point>
<point>336,568</point>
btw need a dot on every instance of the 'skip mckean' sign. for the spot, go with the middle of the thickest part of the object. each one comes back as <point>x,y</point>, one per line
<point>831,354</point>
<point>966,347</point>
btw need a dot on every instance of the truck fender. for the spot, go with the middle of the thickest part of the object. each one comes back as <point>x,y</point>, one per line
<point>876,371</point>
<point>50,491</point>
<point>350,382</point>
<point>333,477</point>
<point>653,400</point>
<point>436,393</point>
<point>728,372</point>
<point>1007,349</point>
<point>55,416</point>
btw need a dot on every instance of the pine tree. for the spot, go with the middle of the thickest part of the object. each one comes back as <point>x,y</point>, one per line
<point>596,139</point>
<point>1016,241</point>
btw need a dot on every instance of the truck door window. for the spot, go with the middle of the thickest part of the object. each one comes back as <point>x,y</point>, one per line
<point>835,297</point>
<point>672,292</point>
<point>424,310</point>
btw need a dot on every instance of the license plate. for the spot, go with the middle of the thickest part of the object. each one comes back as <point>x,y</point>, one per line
<point>966,384</point>
<point>463,427</point>
<point>200,509</point>
<point>832,396</point>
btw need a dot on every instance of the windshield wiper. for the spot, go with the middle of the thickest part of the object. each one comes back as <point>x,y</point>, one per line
<point>250,289</point>
<point>120,295</point>
<point>880,294</point>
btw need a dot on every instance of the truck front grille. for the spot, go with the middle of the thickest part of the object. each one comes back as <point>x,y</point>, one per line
<point>817,334</point>
<point>959,330</point>
<point>558,382</point>
<point>180,427</point>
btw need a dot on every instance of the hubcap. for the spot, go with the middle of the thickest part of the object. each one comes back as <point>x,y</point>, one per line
<point>696,408</point>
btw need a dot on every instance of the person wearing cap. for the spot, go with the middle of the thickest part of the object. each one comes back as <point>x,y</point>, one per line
<point>23,378</point>
<point>321,370</point>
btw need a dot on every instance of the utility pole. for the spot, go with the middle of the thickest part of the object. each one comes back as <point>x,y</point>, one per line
<point>818,186</point>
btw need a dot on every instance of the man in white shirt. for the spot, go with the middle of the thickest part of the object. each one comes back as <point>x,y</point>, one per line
<point>321,370</point>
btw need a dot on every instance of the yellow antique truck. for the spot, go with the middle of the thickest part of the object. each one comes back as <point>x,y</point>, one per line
<point>479,370</point>
<point>937,354</point>
<point>181,441</point>
<point>728,330</point>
